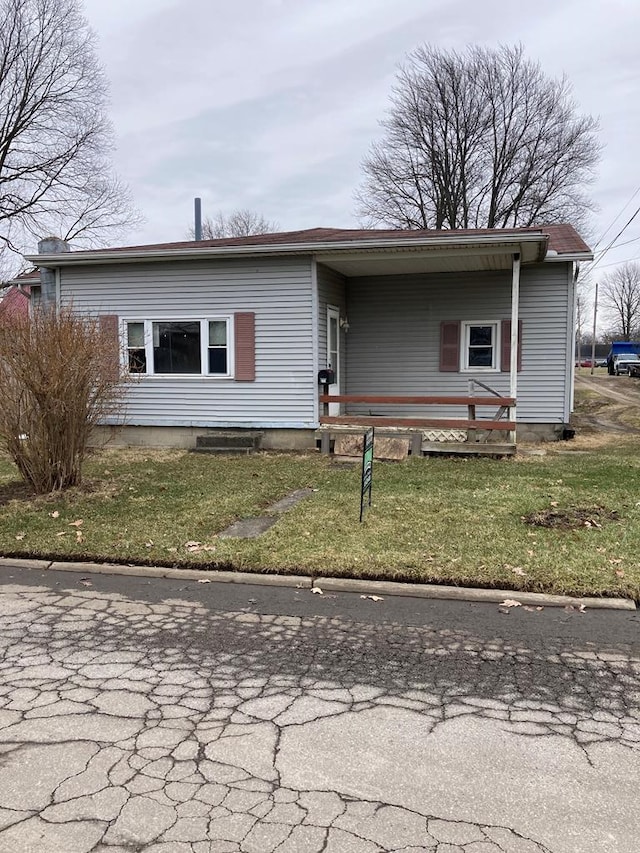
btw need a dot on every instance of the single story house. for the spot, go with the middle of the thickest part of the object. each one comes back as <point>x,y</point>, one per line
<point>232,334</point>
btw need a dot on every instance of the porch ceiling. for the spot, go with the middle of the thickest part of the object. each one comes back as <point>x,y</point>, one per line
<point>408,260</point>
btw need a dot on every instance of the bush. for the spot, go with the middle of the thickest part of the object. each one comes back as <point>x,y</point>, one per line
<point>59,375</point>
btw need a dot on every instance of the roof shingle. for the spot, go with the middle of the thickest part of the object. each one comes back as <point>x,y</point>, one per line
<point>563,239</point>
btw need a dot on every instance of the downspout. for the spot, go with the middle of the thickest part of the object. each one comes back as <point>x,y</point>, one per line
<point>513,362</point>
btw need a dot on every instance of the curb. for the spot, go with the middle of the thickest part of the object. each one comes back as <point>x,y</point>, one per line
<point>363,587</point>
<point>461,593</point>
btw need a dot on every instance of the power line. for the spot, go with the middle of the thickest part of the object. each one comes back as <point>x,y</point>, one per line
<point>613,242</point>
<point>617,263</point>
<point>626,243</point>
<point>604,234</point>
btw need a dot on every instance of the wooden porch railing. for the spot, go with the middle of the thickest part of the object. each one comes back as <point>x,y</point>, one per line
<point>498,421</point>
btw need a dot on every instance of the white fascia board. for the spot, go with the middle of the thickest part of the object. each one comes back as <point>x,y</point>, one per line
<point>569,257</point>
<point>510,243</point>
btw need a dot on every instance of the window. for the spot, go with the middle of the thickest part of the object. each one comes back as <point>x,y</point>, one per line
<point>136,353</point>
<point>480,347</point>
<point>183,347</point>
<point>176,348</point>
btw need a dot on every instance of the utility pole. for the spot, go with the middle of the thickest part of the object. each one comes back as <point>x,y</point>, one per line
<point>593,339</point>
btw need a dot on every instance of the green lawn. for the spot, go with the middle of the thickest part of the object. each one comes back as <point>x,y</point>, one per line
<point>445,520</point>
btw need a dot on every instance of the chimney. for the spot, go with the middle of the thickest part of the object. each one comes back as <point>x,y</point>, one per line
<point>50,246</point>
<point>197,204</point>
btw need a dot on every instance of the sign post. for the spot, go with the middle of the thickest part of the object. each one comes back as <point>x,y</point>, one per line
<point>367,469</point>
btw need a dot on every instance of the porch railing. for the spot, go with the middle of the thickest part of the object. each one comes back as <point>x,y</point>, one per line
<point>499,420</point>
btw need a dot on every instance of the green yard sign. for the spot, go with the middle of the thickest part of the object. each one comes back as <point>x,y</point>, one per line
<point>367,469</point>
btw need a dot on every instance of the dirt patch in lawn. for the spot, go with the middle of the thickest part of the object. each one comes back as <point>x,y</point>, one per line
<point>572,517</point>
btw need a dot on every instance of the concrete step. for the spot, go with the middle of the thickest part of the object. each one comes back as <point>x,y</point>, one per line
<point>241,439</point>
<point>468,448</point>
<point>222,450</point>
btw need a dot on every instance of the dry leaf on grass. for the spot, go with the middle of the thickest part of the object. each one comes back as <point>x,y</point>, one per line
<point>518,571</point>
<point>77,523</point>
<point>62,533</point>
<point>373,597</point>
<point>620,573</point>
<point>78,536</point>
<point>148,544</point>
<point>20,536</point>
<point>54,514</point>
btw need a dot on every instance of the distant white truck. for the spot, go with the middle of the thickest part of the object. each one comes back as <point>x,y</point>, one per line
<point>625,362</point>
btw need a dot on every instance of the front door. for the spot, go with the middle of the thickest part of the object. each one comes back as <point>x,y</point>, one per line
<point>333,353</point>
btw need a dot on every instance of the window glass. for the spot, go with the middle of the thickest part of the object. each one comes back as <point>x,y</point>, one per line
<point>135,333</point>
<point>218,360</point>
<point>217,333</point>
<point>176,347</point>
<point>136,353</point>
<point>481,346</point>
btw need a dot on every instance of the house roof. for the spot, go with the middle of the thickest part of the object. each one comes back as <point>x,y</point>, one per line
<point>535,244</point>
<point>563,239</point>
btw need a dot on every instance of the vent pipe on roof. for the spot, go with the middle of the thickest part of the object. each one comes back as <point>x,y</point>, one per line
<point>197,204</point>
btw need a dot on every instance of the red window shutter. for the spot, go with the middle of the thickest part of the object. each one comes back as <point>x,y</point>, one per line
<point>245,346</point>
<point>450,346</point>
<point>110,342</point>
<point>505,346</point>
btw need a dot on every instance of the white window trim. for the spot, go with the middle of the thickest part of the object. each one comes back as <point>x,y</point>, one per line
<point>465,326</point>
<point>204,346</point>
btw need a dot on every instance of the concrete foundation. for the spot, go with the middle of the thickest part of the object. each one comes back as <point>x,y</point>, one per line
<point>185,437</point>
<point>540,432</point>
<point>271,439</point>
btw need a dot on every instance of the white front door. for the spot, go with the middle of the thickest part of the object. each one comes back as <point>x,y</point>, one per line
<point>333,353</point>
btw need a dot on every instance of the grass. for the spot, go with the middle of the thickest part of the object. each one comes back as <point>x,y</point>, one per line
<point>445,520</point>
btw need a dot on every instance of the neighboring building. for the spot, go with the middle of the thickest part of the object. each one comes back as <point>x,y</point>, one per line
<point>14,299</point>
<point>231,333</point>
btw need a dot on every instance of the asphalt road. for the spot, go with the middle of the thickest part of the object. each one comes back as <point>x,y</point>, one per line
<point>163,716</point>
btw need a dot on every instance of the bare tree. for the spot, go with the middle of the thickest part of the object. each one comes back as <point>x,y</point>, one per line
<point>239,223</point>
<point>620,296</point>
<point>55,139</point>
<point>481,139</point>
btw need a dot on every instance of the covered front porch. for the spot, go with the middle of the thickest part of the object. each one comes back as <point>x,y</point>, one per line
<point>426,342</point>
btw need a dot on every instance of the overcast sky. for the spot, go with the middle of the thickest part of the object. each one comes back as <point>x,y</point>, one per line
<point>271,104</point>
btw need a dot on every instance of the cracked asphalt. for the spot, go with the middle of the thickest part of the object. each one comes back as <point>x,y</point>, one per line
<point>166,716</point>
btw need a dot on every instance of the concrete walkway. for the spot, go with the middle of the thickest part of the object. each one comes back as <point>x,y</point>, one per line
<point>164,716</point>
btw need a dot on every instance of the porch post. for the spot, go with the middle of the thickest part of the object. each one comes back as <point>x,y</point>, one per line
<point>513,363</point>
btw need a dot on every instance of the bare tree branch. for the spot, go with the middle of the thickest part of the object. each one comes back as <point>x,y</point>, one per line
<point>239,223</point>
<point>55,138</point>
<point>620,297</point>
<point>478,139</point>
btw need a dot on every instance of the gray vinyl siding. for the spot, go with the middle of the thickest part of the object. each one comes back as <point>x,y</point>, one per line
<point>279,291</point>
<point>331,291</point>
<point>394,337</point>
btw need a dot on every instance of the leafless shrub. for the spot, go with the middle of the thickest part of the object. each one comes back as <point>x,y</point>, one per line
<point>59,375</point>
